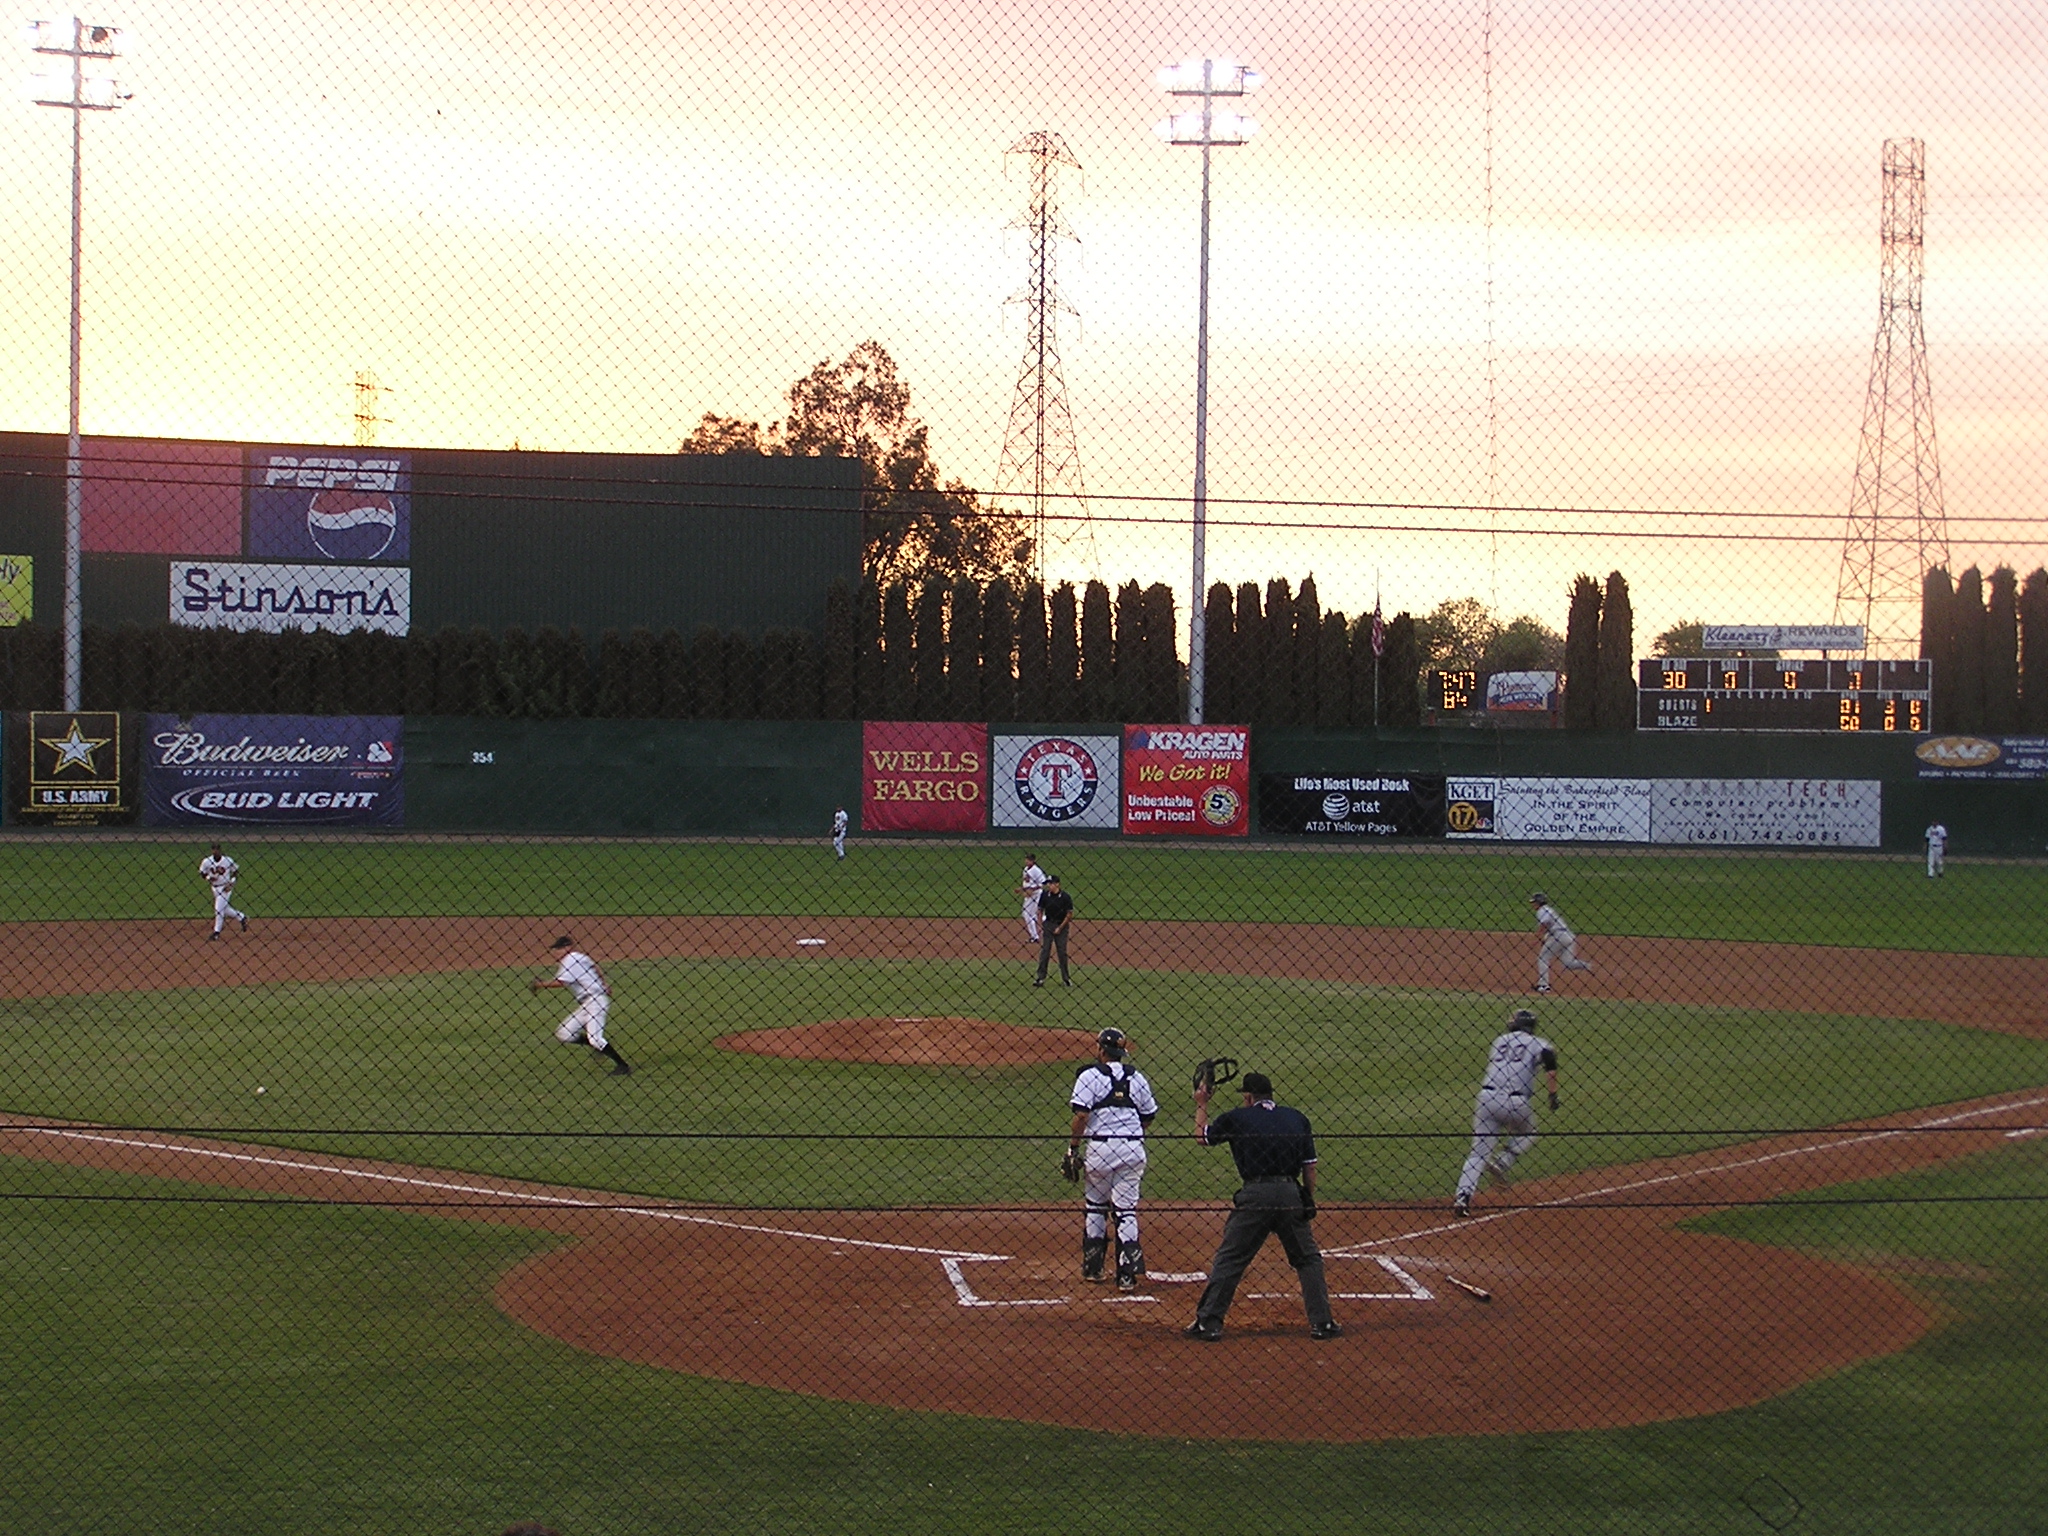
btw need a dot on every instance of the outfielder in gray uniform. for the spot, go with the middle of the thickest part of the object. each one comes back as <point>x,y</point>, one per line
<point>1504,1118</point>
<point>1112,1106</point>
<point>1558,942</point>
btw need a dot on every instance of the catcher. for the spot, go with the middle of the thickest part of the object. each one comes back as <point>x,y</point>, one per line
<point>1112,1105</point>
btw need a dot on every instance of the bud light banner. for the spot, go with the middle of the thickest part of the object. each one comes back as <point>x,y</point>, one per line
<point>1053,781</point>
<point>1352,805</point>
<point>273,770</point>
<point>329,504</point>
<point>1187,780</point>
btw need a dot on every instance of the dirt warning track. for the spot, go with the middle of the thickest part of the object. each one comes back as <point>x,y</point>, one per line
<point>1979,991</point>
<point>1605,1313</point>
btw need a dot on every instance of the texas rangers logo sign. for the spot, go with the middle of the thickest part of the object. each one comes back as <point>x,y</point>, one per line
<point>1056,781</point>
<point>327,504</point>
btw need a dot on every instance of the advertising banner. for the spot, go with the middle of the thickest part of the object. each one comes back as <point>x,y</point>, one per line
<point>1978,757</point>
<point>273,770</point>
<point>1573,811</point>
<point>1187,780</point>
<point>1384,805</point>
<point>311,504</point>
<point>1527,693</point>
<point>144,498</point>
<point>923,776</point>
<point>229,594</point>
<point>1469,807</point>
<point>1056,781</point>
<point>74,768</point>
<point>1810,813</point>
<point>17,590</point>
<point>1782,637</point>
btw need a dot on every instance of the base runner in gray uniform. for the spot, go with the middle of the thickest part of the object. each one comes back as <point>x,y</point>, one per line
<point>1504,1119</point>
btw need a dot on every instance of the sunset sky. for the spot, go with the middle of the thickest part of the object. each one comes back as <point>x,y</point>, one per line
<point>582,226</point>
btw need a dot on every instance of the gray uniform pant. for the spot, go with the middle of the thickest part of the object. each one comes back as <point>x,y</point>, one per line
<point>1497,1118</point>
<point>1263,1208</point>
<point>1562,947</point>
<point>1051,939</point>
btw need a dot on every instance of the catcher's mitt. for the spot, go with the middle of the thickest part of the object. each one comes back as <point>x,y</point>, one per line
<point>1070,1165</point>
<point>1217,1069</point>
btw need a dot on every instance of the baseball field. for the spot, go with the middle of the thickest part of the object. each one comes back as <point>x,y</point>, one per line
<point>1776,1261</point>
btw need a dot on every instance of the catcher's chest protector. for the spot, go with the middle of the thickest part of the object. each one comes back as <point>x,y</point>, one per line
<point>1119,1090</point>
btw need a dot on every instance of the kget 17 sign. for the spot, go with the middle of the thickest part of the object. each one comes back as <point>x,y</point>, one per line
<point>1187,780</point>
<point>273,770</point>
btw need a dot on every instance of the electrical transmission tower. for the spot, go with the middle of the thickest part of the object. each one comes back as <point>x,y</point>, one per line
<point>1897,526</point>
<point>1041,459</point>
<point>369,398</point>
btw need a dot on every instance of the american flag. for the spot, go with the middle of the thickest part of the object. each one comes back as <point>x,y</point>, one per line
<point>1379,631</point>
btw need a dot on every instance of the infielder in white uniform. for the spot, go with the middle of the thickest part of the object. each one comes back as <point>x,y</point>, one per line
<point>1937,846</point>
<point>839,832</point>
<point>1558,942</point>
<point>579,973</point>
<point>220,872</point>
<point>1504,1111</point>
<point>1112,1105</point>
<point>1031,889</point>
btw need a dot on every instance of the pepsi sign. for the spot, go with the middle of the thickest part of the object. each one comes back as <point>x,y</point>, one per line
<point>313,504</point>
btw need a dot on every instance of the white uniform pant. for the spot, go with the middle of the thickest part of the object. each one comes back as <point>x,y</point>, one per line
<point>1109,1184</point>
<point>586,1024</point>
<point>1031,917</point>
<point>1496,1119</point>
<point>221,910</point>
<point>839,844</point>
<point>1562,947</point>
<point>1934,857</point>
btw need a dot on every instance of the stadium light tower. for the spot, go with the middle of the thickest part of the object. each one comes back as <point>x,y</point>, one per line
<point>1211,129</point>
<point>84,83</point>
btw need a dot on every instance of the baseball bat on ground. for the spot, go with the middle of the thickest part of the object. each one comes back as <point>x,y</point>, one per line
<point>1475,1292</point>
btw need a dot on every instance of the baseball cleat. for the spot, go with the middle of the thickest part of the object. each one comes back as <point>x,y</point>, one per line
<point>1127,1282</point>
<point>622,1070</point>
<point>1461,1206</point>
<point>211,937</point>
<point>1325,1331</point>
<point>1544,991</point>
<point>1202,1334</point>
<point>245,925</point>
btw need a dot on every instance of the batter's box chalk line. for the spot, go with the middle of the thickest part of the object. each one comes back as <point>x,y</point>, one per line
<point>1410,1288</point>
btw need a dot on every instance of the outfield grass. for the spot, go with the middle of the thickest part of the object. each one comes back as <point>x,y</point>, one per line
<point>1988,908</point>
<point>253,1368</point>
<point>1387,1076</point>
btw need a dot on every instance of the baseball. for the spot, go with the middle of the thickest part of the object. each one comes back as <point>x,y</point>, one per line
<point>262,1090</point>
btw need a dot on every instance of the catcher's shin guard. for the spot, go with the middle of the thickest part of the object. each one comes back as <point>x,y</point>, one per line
<point>1093,1251</point>
<point>1130,1263</point>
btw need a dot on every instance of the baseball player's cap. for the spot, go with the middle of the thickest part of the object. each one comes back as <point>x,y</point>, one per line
<point>1522,1018</point>
<point>564,942</point>
<point>1538,896</point>
<point>1113,1043</point>
<point>1258,1085</point>
<point>1052,879</point>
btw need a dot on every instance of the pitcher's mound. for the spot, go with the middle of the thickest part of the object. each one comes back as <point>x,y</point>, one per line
<point>917,1042</point>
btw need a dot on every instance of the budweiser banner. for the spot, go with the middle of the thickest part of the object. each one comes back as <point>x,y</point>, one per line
<point>272,770</point>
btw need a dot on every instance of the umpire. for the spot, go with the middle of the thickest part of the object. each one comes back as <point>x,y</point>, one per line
<point>1274,1147</point>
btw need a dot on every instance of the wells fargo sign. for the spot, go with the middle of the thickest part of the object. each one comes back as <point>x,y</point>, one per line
<point>923,776</point>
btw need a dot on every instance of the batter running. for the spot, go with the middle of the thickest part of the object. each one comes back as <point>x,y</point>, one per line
<point>1503,1112</point>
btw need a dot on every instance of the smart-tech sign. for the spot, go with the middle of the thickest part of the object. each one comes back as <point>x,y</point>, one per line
<point>268,770</point>
<point>315,504</point>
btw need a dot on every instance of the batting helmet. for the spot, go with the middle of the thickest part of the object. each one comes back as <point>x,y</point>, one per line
<point>1522,1018</point>
<point>1112,1043</point>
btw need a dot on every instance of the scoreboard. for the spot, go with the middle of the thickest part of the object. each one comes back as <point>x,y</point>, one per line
<point>1745,694</point>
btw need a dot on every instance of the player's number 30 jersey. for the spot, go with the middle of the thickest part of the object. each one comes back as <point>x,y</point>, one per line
<point>1511,1068</point>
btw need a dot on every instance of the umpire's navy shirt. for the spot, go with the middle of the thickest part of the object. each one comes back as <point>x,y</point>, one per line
<point>1268,1140</point>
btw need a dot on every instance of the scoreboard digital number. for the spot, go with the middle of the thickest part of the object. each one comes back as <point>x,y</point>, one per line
<point>1456,692</point>
<point>1712,694</point>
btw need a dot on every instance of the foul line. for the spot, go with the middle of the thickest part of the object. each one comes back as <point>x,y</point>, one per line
<point>1350,1250</point>
<point>654,1213</point>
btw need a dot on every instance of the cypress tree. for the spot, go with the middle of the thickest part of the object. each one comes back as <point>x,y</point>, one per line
<point>1219,661</point>
<point>327,680</point>
<point>550,664</point>
<point>1063,695</point>
<point>1248,653</point>
<point>805,688</point>
<point>43,667</point>
<point>2002,654</point>
<point>1130,690</point>
<point>643,675</point>
<point>1938,642</point>
<point>1097,656</point>
<point>1615,709</point>
<point>928,653</point>
<point>1308,647</point>
<point>678,677</point>
<point>963,652</point>
<point>707,668</point>
<point>575,674</point>
<point>1365,669</point>
<point>1401,674</point>
<point>998,659</point>
<point>516,672</point>
<point>131,667</point>
<point>1582,655</point>
<point>1278,634</point>
<point>840,654</point>
<point>1333,674</point>
<point>899,682</point>
<point>742,678</point>
<point>1968,651</point>
<point>778,696</point>
<point>1034,662</point>
<point>419,673</point>
<point>1162,676</point>
<point>612,680</point>
<point>868,660</point>
<point>2034,654</point>
<point>97,686</point>
<point>449,645</point>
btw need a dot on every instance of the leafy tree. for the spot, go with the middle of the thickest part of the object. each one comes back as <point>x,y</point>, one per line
<point>868,669</point>
<point>678,676</point>
<point>707,666</point>
<point>1277,658</point>
<point>2034,653</point>
<point>1938,641</point>
<point>1524,644</point>
<point>1582,655</point>
<point>1130,692</point>
<point>1615,707</point>
<point>1333,672</point>
<point>1160,654</point>
<point>1455,634</point>
<point>729,434</point>
<point>612,682</point>
<point>643,674</point>
<point>1306,661</point>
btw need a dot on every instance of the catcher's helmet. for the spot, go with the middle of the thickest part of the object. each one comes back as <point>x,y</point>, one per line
<point>1112,1044</point>
<point>1522,1018</point>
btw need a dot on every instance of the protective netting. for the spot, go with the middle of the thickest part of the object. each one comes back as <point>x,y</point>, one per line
<point>775,625</point>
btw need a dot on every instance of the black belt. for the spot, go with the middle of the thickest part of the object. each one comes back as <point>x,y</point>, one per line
<point>1270,1178</point>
